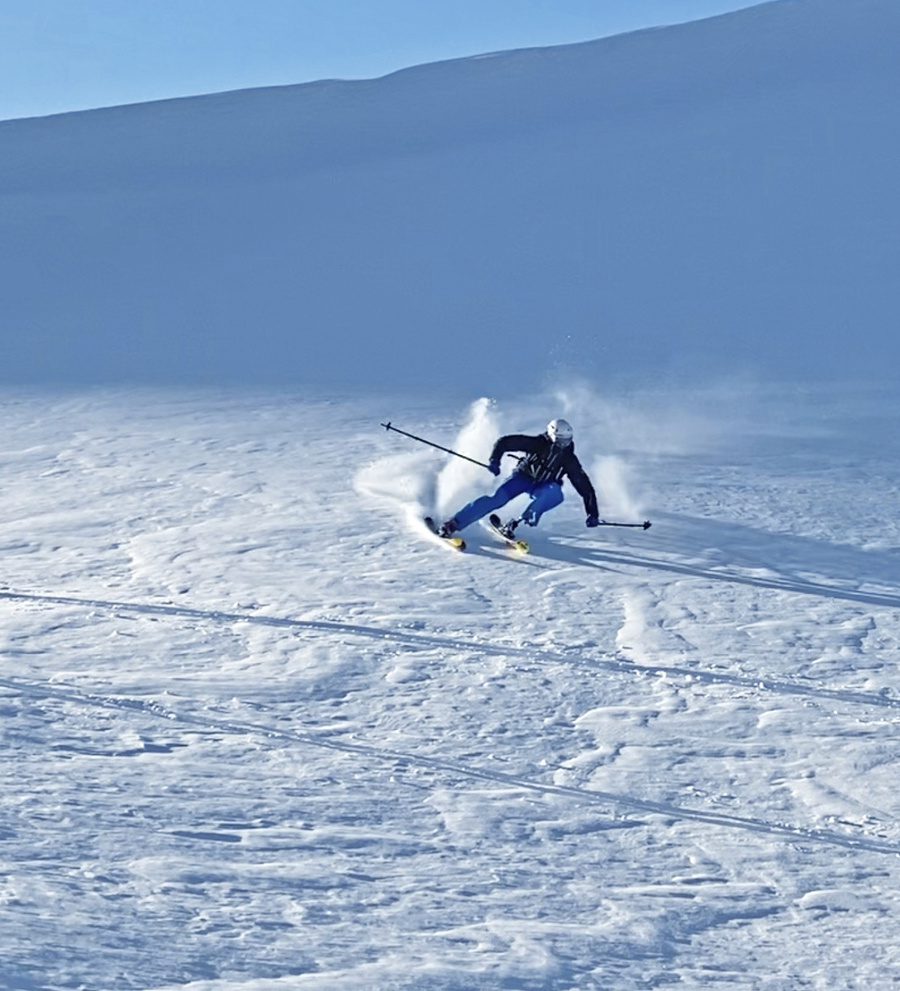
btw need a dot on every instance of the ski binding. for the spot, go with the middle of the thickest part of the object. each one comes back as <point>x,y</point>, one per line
<point>511,539</point>
<point>453,540</point>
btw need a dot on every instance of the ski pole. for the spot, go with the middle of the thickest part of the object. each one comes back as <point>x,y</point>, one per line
<point>421,440</point>
<point>644,526</point>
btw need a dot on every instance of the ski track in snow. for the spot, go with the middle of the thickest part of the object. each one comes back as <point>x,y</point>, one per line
<point>420,640</point>
<point>258,736</point>
<point>445,765</point>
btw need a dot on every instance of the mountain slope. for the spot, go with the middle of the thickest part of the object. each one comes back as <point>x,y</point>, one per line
<point>698,199</point>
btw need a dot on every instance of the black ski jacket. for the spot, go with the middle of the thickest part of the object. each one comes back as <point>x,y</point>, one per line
<point>545,462</point>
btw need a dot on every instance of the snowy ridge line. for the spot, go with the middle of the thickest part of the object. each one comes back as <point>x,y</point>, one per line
<point>562,656</point>
<point>445,765</point>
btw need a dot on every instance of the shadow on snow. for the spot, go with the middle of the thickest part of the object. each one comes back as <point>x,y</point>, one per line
<point>731,552</point>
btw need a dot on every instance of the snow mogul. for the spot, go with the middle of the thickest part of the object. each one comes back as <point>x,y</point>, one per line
<point>548,459</point>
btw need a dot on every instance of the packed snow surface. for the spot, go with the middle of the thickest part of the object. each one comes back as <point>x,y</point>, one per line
<point>261,731</point>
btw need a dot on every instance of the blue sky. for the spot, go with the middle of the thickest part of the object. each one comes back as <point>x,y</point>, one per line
<point>61,55</point>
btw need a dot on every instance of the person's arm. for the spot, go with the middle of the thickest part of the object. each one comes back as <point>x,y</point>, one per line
<point>579,478</point>
<point>513,442</point>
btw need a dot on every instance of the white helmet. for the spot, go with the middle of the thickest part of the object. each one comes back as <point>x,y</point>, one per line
<point>560,432</point>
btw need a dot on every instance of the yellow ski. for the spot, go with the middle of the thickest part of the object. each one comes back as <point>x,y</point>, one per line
<point>510,540</point>
<point>457,543</point>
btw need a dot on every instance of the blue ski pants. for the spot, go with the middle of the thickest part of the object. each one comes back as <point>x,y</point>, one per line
<point>544,496</point>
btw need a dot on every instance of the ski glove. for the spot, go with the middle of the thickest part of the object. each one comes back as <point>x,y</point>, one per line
<point>494,467</point>
<point>592,521</point>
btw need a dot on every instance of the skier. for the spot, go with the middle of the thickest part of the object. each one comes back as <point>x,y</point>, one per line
<point>549,457</point>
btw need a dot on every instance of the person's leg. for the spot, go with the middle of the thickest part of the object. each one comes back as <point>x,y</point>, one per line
<point>546,496</point>
<point>514,486</point>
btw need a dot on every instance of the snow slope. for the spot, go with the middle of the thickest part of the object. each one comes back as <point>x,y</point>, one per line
<point>676,202</point>
<point>260,731</point>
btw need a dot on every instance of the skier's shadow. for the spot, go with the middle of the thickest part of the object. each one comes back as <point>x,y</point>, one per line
<point>731,552</point>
